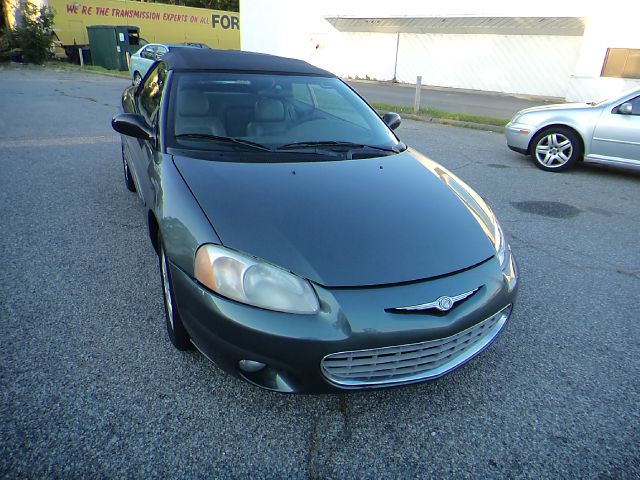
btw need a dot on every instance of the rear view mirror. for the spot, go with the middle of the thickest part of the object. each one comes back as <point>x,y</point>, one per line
<point>392,120</point>
<point>132,125</point>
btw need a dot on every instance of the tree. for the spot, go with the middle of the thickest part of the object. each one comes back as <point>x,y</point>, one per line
<point>32,35</point>
<point>3,15</point>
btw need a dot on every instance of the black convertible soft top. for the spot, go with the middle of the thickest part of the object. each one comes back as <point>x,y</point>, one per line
<point>237,61</point>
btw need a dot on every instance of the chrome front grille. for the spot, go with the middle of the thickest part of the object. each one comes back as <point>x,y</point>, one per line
<point>412,362</point>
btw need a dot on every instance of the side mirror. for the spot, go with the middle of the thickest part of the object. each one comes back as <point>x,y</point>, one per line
<point>132,125</point>
<point>625,108</point>
<point>392,120</point>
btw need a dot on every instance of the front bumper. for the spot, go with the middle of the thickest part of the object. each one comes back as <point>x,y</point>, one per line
<point>295,348</point>
<point>519,136</point>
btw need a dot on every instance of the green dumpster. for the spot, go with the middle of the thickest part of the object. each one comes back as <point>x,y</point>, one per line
<point>110,45</point>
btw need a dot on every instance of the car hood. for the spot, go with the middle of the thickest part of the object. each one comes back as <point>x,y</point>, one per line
<point>558,106</point>
<point>346,223</point>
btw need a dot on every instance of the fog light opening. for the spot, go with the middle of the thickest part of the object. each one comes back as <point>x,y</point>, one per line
<point>251,366</point>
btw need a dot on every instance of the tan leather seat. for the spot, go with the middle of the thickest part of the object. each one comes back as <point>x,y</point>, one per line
<point>194,115</point>
<point>269,118</point>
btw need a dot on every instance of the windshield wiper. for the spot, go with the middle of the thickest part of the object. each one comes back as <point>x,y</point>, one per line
<point>220,138</point>
<point>332,143</point>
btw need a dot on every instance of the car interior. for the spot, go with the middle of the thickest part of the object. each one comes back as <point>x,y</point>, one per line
<point>264,111</point>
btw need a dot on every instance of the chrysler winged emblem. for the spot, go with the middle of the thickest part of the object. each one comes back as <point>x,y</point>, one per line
<point>443,303</point>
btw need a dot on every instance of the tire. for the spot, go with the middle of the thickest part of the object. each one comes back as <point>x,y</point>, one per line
<point>128,179</point>
<point>555,149</point>
<point>175,328</point>
<point>137,78</point>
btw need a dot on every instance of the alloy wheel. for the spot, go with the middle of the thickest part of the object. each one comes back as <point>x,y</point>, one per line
<point>554,150</point>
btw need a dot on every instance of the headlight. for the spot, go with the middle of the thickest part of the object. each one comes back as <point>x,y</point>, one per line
<point>516,117</point>
<point>248,280</point>
<point>499,242</point>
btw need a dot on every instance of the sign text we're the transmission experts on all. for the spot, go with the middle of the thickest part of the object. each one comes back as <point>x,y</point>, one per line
<point>158,23</point>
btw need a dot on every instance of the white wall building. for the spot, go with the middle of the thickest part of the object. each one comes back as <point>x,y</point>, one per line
<point>544,48</point>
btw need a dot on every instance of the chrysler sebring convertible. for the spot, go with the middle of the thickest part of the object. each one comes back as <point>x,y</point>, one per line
<point>302,246</point>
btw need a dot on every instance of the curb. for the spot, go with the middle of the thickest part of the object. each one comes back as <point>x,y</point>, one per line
<point>450,122</point>
<point>56,68</point>
<point>106,74</point>
<point>472,125</point>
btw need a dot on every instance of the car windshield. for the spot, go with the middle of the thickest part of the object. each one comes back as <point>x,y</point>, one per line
<point>273,113</point>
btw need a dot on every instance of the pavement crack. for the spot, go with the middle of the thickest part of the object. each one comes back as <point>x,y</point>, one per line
<point>65,94</point>
<point>469,162</point>
<point>630,273</point>
<point>312,455</point>
<point>344,408</point>
<point>331,430</point>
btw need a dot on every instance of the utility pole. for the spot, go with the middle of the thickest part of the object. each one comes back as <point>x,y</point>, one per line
<point>395,67</point>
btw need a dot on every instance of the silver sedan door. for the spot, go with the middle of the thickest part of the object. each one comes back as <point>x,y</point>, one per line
<point>616,137</point>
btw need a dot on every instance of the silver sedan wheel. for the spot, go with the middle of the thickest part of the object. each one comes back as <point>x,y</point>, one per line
<point>554,150</point>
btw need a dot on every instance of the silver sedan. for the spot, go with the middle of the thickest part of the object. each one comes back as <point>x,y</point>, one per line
<point>558,136</point>
<point>142,60</point>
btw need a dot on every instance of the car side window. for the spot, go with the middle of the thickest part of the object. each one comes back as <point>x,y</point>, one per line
<point>160,52</point>
<point>147,53</point>
<point>151,93</point>
<point>635,105</point>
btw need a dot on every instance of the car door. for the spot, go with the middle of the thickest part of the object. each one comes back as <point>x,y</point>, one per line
<point>616,137</point>
<point>148,98</point>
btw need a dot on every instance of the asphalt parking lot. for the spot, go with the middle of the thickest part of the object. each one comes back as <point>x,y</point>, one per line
<point>91,387</point>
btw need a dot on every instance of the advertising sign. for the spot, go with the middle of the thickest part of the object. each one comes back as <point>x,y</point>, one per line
<point>158,23</point>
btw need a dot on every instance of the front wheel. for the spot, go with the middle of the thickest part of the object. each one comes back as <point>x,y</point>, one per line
<point>556,149</point>
<point>175,328</point>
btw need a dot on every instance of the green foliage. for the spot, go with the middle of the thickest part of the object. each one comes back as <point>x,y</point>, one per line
<point>228,5</point>
<point>33,32</point>
<point>6,44</point>
<point>3,17</point>
<point>72,67</point>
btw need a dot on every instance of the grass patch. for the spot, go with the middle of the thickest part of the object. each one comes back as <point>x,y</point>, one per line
<point>72,67</point>
<point>441,114</point>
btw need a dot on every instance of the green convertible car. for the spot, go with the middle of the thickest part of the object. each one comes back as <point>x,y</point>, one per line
<point>303,247</point>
